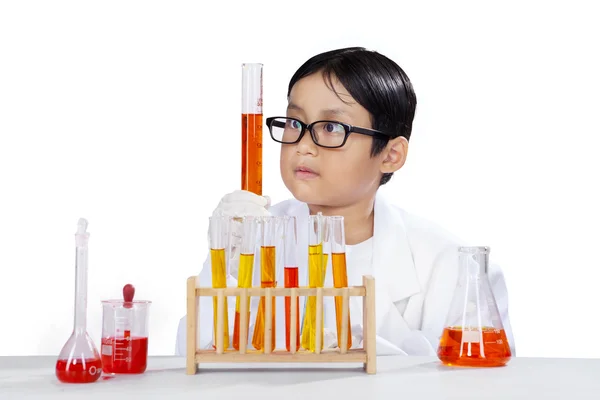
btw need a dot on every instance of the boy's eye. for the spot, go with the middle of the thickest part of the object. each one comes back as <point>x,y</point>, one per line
<point>293,124</point>
<point>330,127</point>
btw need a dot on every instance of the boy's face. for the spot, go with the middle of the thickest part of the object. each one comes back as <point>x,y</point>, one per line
<point>342,176</point>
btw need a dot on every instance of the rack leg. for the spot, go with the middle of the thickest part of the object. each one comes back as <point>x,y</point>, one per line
<point>192,326</point>
<point>369,325</point>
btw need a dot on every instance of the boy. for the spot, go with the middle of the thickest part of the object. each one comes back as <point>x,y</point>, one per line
<point>348,123</point>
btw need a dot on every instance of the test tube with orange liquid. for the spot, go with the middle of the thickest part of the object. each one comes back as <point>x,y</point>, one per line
<point>270,230</point>
<point>340,275</point>
<point>317,262</point>
<point>290,274</point>
<point>219,229</point>
<point>245,272</point>
<point>474,335</point>
<point>252,119</point>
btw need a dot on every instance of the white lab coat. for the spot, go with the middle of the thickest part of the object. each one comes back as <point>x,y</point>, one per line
<point>415,266</point>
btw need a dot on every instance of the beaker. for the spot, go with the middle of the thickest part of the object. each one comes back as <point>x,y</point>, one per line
<point>79,360</point>
<point>252,119</point>
<point>270,231</point>
<point>124,336</point>
<point>317,262</point>
<point>290,277</point>
<point>219,228</point>
<point>474,335</point>
<point>245,273</point>
<point>340,274</point>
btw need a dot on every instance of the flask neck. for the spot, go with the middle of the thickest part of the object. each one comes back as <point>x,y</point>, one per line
<point>81,258</point>
<point>474,261</point>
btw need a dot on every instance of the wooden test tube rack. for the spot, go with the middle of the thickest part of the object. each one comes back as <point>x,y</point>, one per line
<point>365,355</point>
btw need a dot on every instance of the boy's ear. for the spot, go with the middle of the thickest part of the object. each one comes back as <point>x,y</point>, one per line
<point>394,155</point>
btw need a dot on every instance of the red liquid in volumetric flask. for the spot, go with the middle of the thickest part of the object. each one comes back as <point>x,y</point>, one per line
<point>124,355</point>
<point>78,370</point>
<point>291,281</point>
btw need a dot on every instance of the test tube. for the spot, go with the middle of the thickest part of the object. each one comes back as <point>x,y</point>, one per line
<point>340,275</point>
<point>252,120</point>
<point>317,261</point>
<point>291,281</point>
<point>245,273</point>
<point>269,229</point>
<point>219,227</point>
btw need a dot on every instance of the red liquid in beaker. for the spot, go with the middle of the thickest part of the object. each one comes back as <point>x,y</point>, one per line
<point>456,349</point>
<point>124,355</point>
<point>78,370</point>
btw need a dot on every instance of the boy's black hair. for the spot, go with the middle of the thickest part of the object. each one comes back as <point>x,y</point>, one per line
<point>375,82</point>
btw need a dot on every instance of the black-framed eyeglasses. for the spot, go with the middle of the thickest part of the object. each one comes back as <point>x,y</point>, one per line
<point>328,134</point>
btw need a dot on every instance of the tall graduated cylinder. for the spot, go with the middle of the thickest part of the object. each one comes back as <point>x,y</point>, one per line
<point>252,120</point>
<point>124,336</point>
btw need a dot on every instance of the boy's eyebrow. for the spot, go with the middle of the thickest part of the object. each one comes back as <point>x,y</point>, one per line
<point>293,106</point>
<point>327,111</point>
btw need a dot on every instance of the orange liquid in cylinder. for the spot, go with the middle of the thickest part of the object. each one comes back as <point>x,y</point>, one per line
<point>291,281</point>
<point>340,280</point>
<point>252,153</point>
<point>488,349</point>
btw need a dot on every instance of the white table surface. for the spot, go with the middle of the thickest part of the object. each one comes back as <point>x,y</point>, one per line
<point>397,377</point>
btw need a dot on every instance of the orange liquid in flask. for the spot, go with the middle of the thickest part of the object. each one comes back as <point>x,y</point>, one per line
<point>244,281</point>
<point>252,153</point>
<point>472,349</point>
<point>267,277</point>
<point>340,280</point>
<point>291,281</point>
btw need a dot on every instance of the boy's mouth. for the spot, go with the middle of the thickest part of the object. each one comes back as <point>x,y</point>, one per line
<point>303,172</point>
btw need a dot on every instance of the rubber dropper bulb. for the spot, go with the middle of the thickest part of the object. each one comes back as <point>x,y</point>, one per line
<point>128,293</point>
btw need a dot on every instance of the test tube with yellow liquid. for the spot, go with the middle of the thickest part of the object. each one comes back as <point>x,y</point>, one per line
<point>340,274</point>
<point>270,232</point>
<point>317,262</point>
<point>245,272</point>
<point>219,228</point>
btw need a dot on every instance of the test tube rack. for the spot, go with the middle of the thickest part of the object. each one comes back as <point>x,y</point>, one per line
<point>365,355</point>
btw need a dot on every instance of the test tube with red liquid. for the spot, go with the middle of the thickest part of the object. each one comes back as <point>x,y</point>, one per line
<point>79,360</point>
<point>125,334</point>
<point>252,120</point>
<point>290,277</point>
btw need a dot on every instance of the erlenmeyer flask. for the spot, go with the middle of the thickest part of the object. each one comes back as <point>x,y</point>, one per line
<point>474,335</point>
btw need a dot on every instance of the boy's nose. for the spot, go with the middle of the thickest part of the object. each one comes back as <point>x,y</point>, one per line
<point>306,145</point>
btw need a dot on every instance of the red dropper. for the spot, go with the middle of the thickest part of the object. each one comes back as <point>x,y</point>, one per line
<point>128,293</point>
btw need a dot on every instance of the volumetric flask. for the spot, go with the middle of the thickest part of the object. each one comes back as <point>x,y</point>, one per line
<point>245,273</point>
<point>79,360</point>
<point>474,335</point>
<point>124,336</point>
<point>252,119</point>
<point>219,228</point>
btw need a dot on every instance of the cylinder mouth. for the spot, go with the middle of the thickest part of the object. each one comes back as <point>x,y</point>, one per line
<point>474,249</point>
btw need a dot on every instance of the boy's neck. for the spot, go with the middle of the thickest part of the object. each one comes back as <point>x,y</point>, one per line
<point>358,219</point>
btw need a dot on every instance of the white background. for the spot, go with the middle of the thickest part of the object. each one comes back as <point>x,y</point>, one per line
<point>127,113</point>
